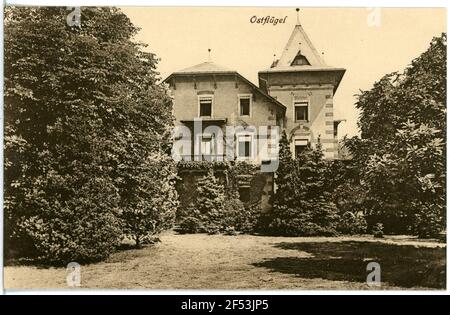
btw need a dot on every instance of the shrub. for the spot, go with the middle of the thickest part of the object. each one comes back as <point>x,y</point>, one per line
<point>234,213</point>
<point>377,230</point>
<point>230,231</point>
<point>80,229</point>
<point>429,219</point>
<point>191,224</point>
<point>248,219</point>
<point>351,223</point>
<point>311,218</point>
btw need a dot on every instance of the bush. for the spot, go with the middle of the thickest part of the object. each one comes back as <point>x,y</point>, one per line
<point>230,231</point>
<point>234,213</point>
<point>429,219</point>
<point>311,218</point>
<point>248,219</point>
<point>377,230</point>
<point>351,223</point>
<point>191,225</point>
<point>80,230</point>
<point>217,208</point>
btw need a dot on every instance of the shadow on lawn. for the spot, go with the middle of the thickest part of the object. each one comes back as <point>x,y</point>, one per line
<point>404,266</point>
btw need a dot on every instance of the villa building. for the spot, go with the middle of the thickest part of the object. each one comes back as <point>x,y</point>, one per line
<point>294,94</point>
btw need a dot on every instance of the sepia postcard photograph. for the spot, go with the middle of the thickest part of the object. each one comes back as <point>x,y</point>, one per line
<point>290,148</point>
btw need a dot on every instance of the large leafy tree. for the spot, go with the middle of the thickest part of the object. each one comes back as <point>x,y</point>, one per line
<point>83,111</point>
<point>401,152</point>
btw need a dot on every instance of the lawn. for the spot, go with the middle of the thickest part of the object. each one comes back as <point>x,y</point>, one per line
<point>253,262</point>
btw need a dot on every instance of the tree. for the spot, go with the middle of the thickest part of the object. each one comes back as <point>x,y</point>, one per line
<point>208,212</point>
<point>82,110</point>
<point>211,202</point>
<point>150,204</point>
<point>302,206</point>
<point>401,153</point>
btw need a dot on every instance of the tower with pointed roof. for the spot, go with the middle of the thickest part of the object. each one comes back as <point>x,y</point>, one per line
<point>305,84</point>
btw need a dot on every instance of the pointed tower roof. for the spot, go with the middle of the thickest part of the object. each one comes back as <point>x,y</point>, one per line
<point>299,55</point>
<point>300,44</point>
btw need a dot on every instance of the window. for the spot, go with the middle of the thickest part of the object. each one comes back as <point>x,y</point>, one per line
<point>245,146</point>
<point>244,194</point>
<point>244,105</point>
<point>300,60</point>
<point>301,110</point>
<point>300,146</point>
<point>205,106</point>
<point>206,144</point>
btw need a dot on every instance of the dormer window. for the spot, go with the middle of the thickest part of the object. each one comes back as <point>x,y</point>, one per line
<point>300,60</point>
<point>205,106</point>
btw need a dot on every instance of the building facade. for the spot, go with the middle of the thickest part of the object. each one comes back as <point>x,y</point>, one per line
<point>295,94</point>
<point>207,96</point>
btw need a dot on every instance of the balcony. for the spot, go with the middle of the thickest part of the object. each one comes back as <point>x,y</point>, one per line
<point>204,157</point>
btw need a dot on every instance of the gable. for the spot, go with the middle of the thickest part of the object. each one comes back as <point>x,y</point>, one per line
<point>299,51</point>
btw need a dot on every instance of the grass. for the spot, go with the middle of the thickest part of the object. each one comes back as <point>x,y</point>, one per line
<point>253,262</point>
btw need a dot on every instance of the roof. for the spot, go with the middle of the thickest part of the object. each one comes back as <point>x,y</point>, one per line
<point>300,44</point>
<point>302,69</point>
<point>205,67</point>
<point>212,68</point>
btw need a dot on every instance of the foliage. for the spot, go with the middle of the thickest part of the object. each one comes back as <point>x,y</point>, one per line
<point>401,153</point>
<point>203,165</point>
<point>352,223</point>
<point>82,108</point>
<point>216,207</point>
<point>208,211</point>
<point>428,219</point>
<point>248,219</point>
<point>302,206</point>
<point>377,230</point>
<point>211,202</point>
<point>150,201</point>
<point>348,196</point>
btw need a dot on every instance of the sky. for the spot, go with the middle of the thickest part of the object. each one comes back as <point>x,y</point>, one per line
<point>367,42</point>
